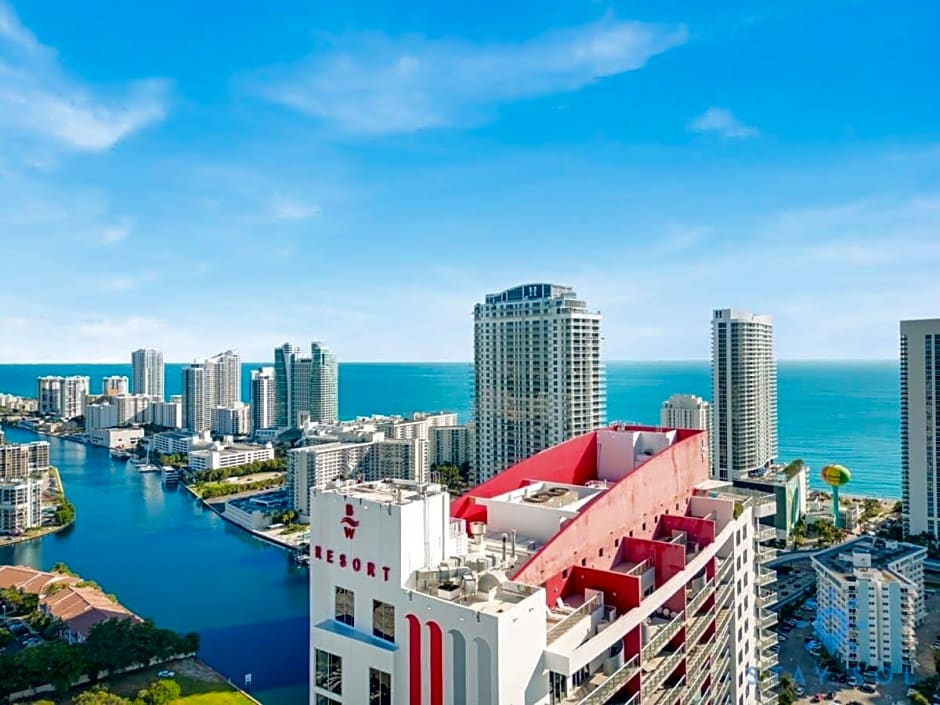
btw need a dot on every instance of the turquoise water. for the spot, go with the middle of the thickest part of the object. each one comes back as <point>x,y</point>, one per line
<point>169,559</point>
<point>845,412</point>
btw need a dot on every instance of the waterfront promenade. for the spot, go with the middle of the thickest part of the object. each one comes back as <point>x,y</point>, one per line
<point>172,560</point>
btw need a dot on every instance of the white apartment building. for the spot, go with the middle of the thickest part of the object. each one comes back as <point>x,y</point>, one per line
<point>64,397</point>
<point>196,415</point>
<point>20,505</point>
<point>100,415</point>
<point>544,590</point>
<point>228,455</point>
<point>870,599</point>
<point>263,399</point>
<point>232,420</point>
<point>920,426</point>
<point>11,402</point>
<point>114,385</point>
<point>167,414</point>
<point>450,445</point>
<point>686,411</point>
<point>22,460</point>
<point>744,393</point>
<point>147,373</point>
<point>224,379</point>
<point>115,437</point>
<point>132,409</point>
<point>539,377</point>
<point>315,465</point>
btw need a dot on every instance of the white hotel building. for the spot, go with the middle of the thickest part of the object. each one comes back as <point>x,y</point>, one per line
<point>606,569</point>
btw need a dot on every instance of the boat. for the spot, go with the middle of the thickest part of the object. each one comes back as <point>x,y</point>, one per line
<point>119,454</point>
<point>147,467</point>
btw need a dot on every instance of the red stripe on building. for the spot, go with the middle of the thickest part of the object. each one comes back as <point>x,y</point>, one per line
<point>414,660</point>
<point>437,664</point>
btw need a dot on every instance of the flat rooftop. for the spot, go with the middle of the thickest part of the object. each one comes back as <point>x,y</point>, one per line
<point>868,554</point>
<point>388,491</point>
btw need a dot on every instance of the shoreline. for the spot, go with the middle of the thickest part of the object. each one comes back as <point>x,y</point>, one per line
<point>45,530</point>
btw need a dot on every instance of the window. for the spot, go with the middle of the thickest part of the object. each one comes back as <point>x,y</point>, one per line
<point>323,700</point>
<point>383,620</point>
<point>346,606</point>
<point>380,687</point>
<point>329,675</point>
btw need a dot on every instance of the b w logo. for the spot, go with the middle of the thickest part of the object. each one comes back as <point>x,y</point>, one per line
<point>349,522</point>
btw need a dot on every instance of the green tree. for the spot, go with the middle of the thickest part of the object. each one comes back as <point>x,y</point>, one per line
<point>5,637</point>
<point>787,693</point>
<point>62,569</point>
<point>918,698</point>
<point>161,692</point>
<point>100,696</point>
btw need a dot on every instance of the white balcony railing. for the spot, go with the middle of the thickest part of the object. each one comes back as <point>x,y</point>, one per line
<point>663,636</point>
<point>606,689</point>
<point>662,670</point>
<point>699,599</point>
<point>568,622</point>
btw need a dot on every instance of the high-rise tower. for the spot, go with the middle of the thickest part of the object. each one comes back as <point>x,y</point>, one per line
<point>539,378</point>
<point>147,375</point>
<point>262,398</point>
<point>744,393</point>
<point>324,383</point>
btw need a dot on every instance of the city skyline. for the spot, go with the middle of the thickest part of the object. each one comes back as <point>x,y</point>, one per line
<point>337,131</point>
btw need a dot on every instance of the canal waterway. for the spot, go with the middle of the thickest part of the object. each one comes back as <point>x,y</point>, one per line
<point>169,559</point>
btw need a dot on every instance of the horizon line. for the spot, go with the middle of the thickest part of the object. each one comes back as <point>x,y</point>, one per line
<point>463,362</point>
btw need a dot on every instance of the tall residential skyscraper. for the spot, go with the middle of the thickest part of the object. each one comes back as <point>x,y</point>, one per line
<point>114,385</point>
<point>324,383</point>
<point>262,398</point>
<point>306,385</point>
<point>920,426</point>
<point>744,393</point>
<point>147,375</point>
<point>224,379</point>
<point>284,357</point>
<point>539,378</point>
<point>196,408</point>
<point>64,397</point>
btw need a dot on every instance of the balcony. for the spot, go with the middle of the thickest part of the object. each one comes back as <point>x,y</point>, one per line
<point>692,606</point>
<point>663,636</point>
<point>766,554</point>
<point>766,533</point>
<point>768,683</point>
<point>766,639</point>
<point>766,598</point>
<point>767,660</point>
<point>569,621</point>
<point>695,684</point>
<point>723,593</point>
<point>724,569</point>
<point>723,616</point>
<point>696,626</point>
<point>697,658</point>
<point>768,619</point>
<point>664,695</point>
<point>765,576</point>
<point>596,693</point>
<point>662,667</point>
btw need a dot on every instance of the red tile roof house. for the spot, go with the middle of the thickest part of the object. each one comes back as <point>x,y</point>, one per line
<point>78,608</point>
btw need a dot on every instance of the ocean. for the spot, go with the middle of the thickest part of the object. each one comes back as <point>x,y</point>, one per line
<point>828,412</point>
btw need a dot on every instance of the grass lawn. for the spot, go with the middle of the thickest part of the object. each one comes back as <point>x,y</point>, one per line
<point>195,691</point>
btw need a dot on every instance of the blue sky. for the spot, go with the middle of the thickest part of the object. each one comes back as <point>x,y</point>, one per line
<point>198,176</point>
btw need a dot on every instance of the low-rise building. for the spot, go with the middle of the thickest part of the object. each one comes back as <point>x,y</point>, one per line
<point>11,402</point>
<point>258,511</point>
<point>870,599</point>
<point>788,485</point>
<point>232,420</point>
<point>120,438</point>
<point>179,442</point>
<point>225,454</point>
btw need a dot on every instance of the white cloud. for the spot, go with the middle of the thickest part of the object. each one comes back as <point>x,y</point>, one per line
<point>284,208</point>
<point>38,99</point>
<point>113,234</point>
<point>722,122</point>
<point>378,85</point>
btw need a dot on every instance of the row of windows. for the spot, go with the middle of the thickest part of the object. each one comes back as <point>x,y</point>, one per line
<point>329,677</point>
<point>383,614</point>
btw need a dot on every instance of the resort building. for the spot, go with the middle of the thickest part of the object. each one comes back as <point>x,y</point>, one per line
<point>920,427</point>
<point>63,397</point>
<point>539,379</point>
<point>114,385</point>
<point>870,599</point>
<point>744,393</point>
<point>117,438</point>
<point>179,442</point>
<point>263,399</point>
<point>228,455</point>
<point>608,568</point>
<point>22,460</point>
<point>101,415</point>
<point>147,371</point>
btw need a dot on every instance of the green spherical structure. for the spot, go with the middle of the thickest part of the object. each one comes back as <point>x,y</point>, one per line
<point>835,475</point>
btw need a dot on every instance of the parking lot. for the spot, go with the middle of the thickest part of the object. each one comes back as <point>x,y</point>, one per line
<point>24,636</point>
<point>804,667</point>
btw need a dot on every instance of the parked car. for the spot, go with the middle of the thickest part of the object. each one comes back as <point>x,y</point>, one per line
<point>818,698</point>
<point>166,674</point>
<point>868,688</point>
<point>799,690</point>
<point>854,681</point>
<point>831,695</point>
